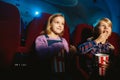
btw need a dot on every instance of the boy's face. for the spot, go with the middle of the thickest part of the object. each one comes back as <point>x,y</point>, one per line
<point>105,28</point>
<point>57,25</point>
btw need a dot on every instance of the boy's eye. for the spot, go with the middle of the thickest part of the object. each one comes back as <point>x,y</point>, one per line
<point>102,25</point>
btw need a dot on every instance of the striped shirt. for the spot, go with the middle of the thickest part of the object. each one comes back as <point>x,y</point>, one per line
<point>94,48</point>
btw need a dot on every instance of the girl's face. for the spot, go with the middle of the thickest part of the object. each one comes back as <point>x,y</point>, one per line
<point>104,27</point>
<point>57,25</point>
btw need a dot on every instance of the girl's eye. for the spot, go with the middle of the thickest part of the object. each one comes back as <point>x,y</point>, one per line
<point>57,22</point>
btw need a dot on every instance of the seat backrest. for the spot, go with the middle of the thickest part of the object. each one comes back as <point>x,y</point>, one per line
<point>81,33</point>
<point>9,33</point>
<point>34,29</point>
<point>67,33</point>
<point>36,26</point>
<point>114,39</point>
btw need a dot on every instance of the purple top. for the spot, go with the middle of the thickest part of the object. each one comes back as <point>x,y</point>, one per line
<point>42,47</point>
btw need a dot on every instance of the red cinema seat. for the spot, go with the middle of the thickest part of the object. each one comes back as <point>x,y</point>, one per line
<point>9,33</point>
<point>80,35</point>
<point>34,29</point>
<point>83,31</point>
<point>114,39</point>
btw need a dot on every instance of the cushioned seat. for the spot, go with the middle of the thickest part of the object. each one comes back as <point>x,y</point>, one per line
<point>9,33</point>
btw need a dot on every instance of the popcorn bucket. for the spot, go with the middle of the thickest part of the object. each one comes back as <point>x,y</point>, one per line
<point>102,61</point>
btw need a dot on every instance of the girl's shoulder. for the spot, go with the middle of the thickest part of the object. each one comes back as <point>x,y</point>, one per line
<point>41,37</point>
<point>63,39</point>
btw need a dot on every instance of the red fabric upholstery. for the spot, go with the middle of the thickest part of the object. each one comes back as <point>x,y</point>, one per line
<point>9,33</point>
<point>34,29</point>
<point>114,39</point>
<point>67,33</point>
<point>81,33</point>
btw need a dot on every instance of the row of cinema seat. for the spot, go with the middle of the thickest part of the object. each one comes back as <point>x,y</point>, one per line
<point>16,43</point>
<point>12,53</point>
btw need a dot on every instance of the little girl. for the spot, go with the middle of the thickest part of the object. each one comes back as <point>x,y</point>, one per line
<point>51,43</point>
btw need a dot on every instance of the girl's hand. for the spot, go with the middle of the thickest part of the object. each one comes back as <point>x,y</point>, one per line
<point>73,49</point>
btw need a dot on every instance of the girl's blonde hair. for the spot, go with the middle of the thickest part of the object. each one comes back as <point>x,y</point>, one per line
<point>50,19</point>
